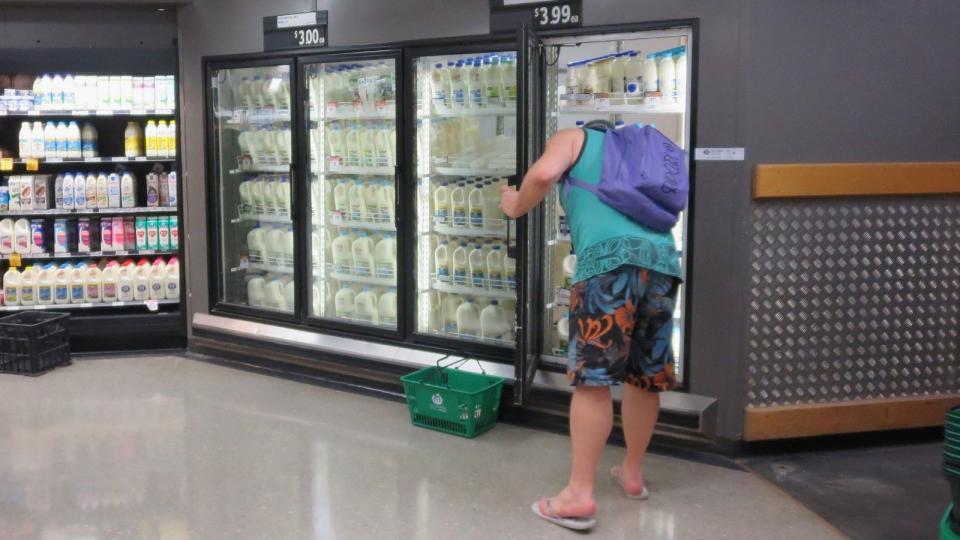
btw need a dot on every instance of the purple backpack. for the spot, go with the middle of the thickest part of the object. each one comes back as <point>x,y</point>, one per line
<point>644,177</point>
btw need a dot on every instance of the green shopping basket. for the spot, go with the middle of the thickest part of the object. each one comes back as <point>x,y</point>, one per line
<point>447,399</point>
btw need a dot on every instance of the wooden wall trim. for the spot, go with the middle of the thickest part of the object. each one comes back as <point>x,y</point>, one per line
<point>792,421</point>
<point>855,179</point>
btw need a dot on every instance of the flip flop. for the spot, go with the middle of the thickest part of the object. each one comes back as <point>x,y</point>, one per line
<point>572,523</point>
<point>644,494</point>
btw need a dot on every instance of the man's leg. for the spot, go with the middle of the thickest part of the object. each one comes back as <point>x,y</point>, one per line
<point>639,410</point>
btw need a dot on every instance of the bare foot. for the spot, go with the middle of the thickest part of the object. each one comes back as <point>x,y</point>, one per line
<point>631,479</point>
<point>569,505</point>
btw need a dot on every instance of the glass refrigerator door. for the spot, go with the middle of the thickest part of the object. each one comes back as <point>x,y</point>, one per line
<point>251,134</point>
<point>614,78</point>
<point>352,112</point>
<point>466,145</point>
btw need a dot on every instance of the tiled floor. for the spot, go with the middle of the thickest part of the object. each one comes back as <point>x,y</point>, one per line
<point>170,448</point>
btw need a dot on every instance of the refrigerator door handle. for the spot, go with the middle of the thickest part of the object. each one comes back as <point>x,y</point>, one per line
<point>396,197</point>
<point>513,181</point>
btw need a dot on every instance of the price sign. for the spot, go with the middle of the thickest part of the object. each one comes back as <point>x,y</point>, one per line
<point>295,31</point>
<point>506,15</point>
<point>33,164</point>
<point>6,164</point>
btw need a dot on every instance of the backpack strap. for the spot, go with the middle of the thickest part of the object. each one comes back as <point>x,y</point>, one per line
<point>569,180</point>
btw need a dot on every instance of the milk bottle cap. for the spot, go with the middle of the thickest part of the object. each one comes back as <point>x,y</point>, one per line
<point>463,244</point>
<point>438,65</point>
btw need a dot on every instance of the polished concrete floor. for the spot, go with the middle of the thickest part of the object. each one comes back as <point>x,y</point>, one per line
<point>171,448</point>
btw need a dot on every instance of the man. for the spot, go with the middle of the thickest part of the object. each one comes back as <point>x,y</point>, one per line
<point>621,311</point>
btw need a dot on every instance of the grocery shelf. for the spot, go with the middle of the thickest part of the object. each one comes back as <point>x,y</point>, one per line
<point>614,104</point>
<point>91,254</point>
<point>264,218</point>
<point>92,211</point>
<point>257,116</point>
<point>117,159</point>
<point>474,291</point>
<point>273,268</point>
<point>361,116</point>
<point>473,232</point>
<point>262,169</point>
<point>483,111</point>
<point>365,280</point>
<point>336,221</point>
<point>89,112</point>
<point>361,171</point>
<point>150,305</point>
<point>460,171</point>
<point>470,337</point>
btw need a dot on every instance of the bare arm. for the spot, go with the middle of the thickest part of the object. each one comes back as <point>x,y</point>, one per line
<point>561,152</point>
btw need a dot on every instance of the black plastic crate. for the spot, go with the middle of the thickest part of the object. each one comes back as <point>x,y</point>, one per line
<point>34,342</point>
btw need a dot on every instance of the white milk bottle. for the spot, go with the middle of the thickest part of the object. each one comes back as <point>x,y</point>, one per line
<point>81,187</point>
<point>61,284</point>
<point>458,205</point>
<point>88,141</point>
<point>60,140</point>
<point>342,257</point>
<point>45,282</point>
<point>478,267</point>
<point>172,287</point>
<point>150,138</point>
<point>362,251</point>
<point>67,200</point>
<point>495,268</point>
<point>69,92</point>
<point>74,144</point>
<point>128,191</point>
<point>633,74</point>
<point>458,87</point>
<point>680,68</point>
<point>441,204</point>
<point>257,195</point>
<point>125,282</point>
<point>441,261</point>
<point>491,82</point>
<point>6,236</point>
<point>160,139</point>
<point>476,206</point>
<point>315,305</point>
<point>438,88</point>
<point>477,84</point>
<point>255,291</point>
<point>368,146</point>
<point>56,93</point>
<point>493,321</point>
<point>352,146</point>
<point>92,284</point>
<point>103,191</point>
<point>158,272</point>
<point>110,282</point>
<point>273,293</point>
<point>341,198</point>
<point>366,307</point>
<point>274,246</point>
<point>371,198</point>
<point>508,79</point>
<point>13,191</point>
<point>11,287</point>
<point>38,141</point>
<point>384,142</point>
<point>255,244</point>
<point>22,238</point>
<point>141,280</point>
<point>569,269</point>
<point>113,190</point>
<point>289,293</point>
<point>287,248</point>
<point>563,329</point>
<point>460,265</point>
<point>650,73</point>
<point>618,72</point>
<point>28,287</point>
<point>358,206</point>
<point>386,201</point>
<point>510,272</point>
<point>385,257</point>
<point>246,196</point>
<point>468,318</point>
<point>449,310</point>
<point>131,141</point>
<point>343,303</point>
<point>667,78</point>
<point>24,140</point>
<point>387,306</point>
<point>78,284</point>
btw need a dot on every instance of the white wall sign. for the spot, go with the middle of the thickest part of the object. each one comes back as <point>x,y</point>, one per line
<point>718,154</point>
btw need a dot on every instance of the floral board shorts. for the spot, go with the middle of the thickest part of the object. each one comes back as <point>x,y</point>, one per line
<point>621,324</point>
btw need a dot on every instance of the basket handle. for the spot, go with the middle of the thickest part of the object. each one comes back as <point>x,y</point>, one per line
<point>458,363</point>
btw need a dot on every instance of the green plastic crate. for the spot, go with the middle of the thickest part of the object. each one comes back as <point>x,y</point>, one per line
<point>948,532</point>
<point>450,400</point>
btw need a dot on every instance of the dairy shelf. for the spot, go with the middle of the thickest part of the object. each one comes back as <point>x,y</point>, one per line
<point>463,290</point>
<point>88,112</point>
<point>364,280</point>
<point>361,116</point>
<point>150,304</point>
<point>117,159</point>
<point>359,171</point>
<point>257,116</point>
<point>92,211</point>
<point>264,218</point>
<point>614,104</point>
<point>92,254</point>
<point>262,169</point>
<point>272,268</point>
<point>469,337</point>
<point>471,232</point>
<point>336,221</point>
<point>470,112</point>
<point>472,172</point>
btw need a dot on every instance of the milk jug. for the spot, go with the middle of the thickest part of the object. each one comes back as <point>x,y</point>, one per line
<point>255,291</point>
<point>315,303</point>
<point>563,329</point>
<point>358,206</point>
<point>23,240</point>
<point>667,78</point>
<point>478,267</point>
<point>371,197</point>
<point>385,257</point>
<point>61,284</point>
<point>343,303</point>
<point>67,191</point>
<point>28,287</point>
<point>441,204</point>
<point>362,251</point>
<point>23,139</point>
<point>113,190</point>
<point>150,138</point>
<point>92,284</point>
<point>633,74</point>
<point>510,272</point>
<point>131,140</point>
<point>11,287</point>
<point>449,308</point>
<point>341,248</point>
<point>62,135</point>
<point>495,268</point>
<point>569,269</point>
<point>493,321</point>
<point>6,236</point>
<point>368,147</point>
<point>125,282</point>
<point>38,143</point>
<point>460,264</point>
<point>172,285</point>
<point>458,204</point>
<point>388,307</point>
<point>273,293</point>
<point>385,147</point>
<point>365,306</point>
<point>468,318</point>
<point>476,206</point>
<point>78,284</point>
<point>50,140</point>
<point>103,191</point>
<point>289,293</point>
<point>352,146</point>
<point>341,198</point>
<point>650,73</point>
<point>110,282</point>
<point>273,248</point>
<point>74,145</point>
<point>441,261</point>
<point>157,279</point>
<point>680,68</point>
<point>385,196</point>
<point>88,141</point>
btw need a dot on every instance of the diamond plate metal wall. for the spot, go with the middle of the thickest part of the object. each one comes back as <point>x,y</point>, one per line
<point>854,298</point>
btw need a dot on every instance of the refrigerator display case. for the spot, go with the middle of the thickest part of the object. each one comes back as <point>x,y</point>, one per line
<point>465,151</point>
<point>351,114</point>
<point>250,125</point>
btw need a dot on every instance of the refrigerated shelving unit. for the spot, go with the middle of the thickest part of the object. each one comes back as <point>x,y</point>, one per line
<point>118,325</point>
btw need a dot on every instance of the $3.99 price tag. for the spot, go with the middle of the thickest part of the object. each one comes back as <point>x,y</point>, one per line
<point>558,15</point>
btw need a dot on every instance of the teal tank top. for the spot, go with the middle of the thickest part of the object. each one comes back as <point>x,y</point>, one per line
<point>603,238</point>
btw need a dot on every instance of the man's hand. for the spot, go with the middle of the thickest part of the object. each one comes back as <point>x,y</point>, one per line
<point>510,202</point>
